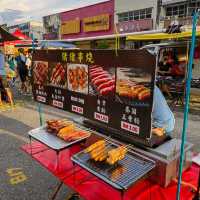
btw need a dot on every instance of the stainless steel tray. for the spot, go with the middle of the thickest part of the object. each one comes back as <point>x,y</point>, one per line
<point>40,134</point>
<point>121,175</point>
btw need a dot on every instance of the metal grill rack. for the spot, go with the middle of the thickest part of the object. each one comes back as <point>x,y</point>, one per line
<point>121,175</point>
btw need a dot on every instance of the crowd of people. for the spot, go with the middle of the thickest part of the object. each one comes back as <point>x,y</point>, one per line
<point>12,68</point>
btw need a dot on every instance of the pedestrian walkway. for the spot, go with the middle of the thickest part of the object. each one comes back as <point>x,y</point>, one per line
<point>6,106</point>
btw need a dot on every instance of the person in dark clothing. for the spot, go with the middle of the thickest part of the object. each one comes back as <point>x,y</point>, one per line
<point>5,92</point>
<point>22,69</point>
<point>164,67</point>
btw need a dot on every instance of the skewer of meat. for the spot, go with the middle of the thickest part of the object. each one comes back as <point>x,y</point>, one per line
<point>106,84</point>
<point>104,75</point>
<point>116,154</point>
<point>95,74</point>
<point>96,69</point>
<point>102,80</point>
<point>95,145</point>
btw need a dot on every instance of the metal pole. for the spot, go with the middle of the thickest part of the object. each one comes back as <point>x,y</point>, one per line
<point>39,104</point>
<point>187,101</point>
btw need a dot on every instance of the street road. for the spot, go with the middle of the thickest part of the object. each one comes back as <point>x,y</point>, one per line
<point>21,177</point>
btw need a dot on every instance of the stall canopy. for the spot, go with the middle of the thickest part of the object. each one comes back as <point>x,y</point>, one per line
<point>6,36</point>
<point>22,39</point>
<point>161,36</point>
<point>56,44</point>
<point>18,33</point>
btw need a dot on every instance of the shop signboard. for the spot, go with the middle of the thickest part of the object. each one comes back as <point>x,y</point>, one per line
<point>70,27</point>
<point>135,26</point>
<point>115,91</point>
<point>96,23</point>
<point>9,49</point>
<point>50,36</point>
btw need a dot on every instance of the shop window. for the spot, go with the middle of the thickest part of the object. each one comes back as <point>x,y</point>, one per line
<point>123,17</point>
<point>142,14</point>
<point>148,13</point>
<point>135,15</point>
<point>193,7</point>
<point>169,11</point>
<point>176,11</point>
<point>131,14</point>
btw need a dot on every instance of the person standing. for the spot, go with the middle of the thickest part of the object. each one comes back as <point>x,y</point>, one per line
<point>12,66</point>
<point>22,69</point>
<point>28,66</point>
<point>4,87</point>
<point>163,117</point>
<point>2,73</point>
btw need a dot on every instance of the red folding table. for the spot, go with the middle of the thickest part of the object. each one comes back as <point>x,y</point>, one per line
<point>90,187</point>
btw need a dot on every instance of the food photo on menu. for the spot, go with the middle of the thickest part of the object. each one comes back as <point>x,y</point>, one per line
<point>40,72</point>
<point>132,85</point>
<point>77,78</point>
<point>57,75</point>
<point>102,81</point>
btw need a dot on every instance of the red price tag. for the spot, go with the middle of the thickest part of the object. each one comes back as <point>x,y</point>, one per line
<point>101,117</point>
<point>77,109</point>
<point>58,104</point>
<point>130,127</point>
<point>41,99</point>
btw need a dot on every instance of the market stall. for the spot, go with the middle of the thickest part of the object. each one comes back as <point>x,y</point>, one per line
<point>112,149</point>
<point>114,97</point>
<point>5,92</point>
<point>21,41</point>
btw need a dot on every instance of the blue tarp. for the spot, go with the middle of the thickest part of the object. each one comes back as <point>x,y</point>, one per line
<point>54,44</point>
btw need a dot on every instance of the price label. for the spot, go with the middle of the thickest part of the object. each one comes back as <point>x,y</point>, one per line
<point>58,104</point>
<point>77,109</point>
<point>41,99</point>
<point>130,127</point>
<point>101,117</point>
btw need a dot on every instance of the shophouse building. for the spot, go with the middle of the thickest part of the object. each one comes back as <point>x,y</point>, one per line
<point>30,28</point>
<point>90,21</point>
<point>51,25</point>
<point>178,11</point>
<point>135,15</point>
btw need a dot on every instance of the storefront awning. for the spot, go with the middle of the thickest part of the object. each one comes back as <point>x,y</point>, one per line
<point>161,36</point>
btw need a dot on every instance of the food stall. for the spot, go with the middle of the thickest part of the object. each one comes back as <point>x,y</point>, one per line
<point>110,149</point>
<point>5,92</point>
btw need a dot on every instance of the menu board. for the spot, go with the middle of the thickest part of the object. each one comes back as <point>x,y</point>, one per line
<point>116,91</point>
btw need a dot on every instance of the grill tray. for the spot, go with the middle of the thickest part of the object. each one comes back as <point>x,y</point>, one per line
<point>121,175</point>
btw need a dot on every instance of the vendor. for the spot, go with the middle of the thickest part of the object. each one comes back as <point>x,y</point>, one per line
<point>164,67</point>
<point>162,115</point>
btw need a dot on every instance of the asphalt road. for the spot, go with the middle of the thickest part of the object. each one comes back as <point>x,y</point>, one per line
<point>35,182</point>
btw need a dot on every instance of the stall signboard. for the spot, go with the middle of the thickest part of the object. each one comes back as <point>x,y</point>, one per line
<point>115,91</point>
<point>96,23</point>
<point>135,26</point>
<point>9,49</point>
<point>70,27</point>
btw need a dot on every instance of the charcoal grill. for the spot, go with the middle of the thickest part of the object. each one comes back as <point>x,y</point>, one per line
<point>121,175</point>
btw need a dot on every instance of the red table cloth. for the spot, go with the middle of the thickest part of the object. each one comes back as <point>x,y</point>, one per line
<point>92,188</point>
